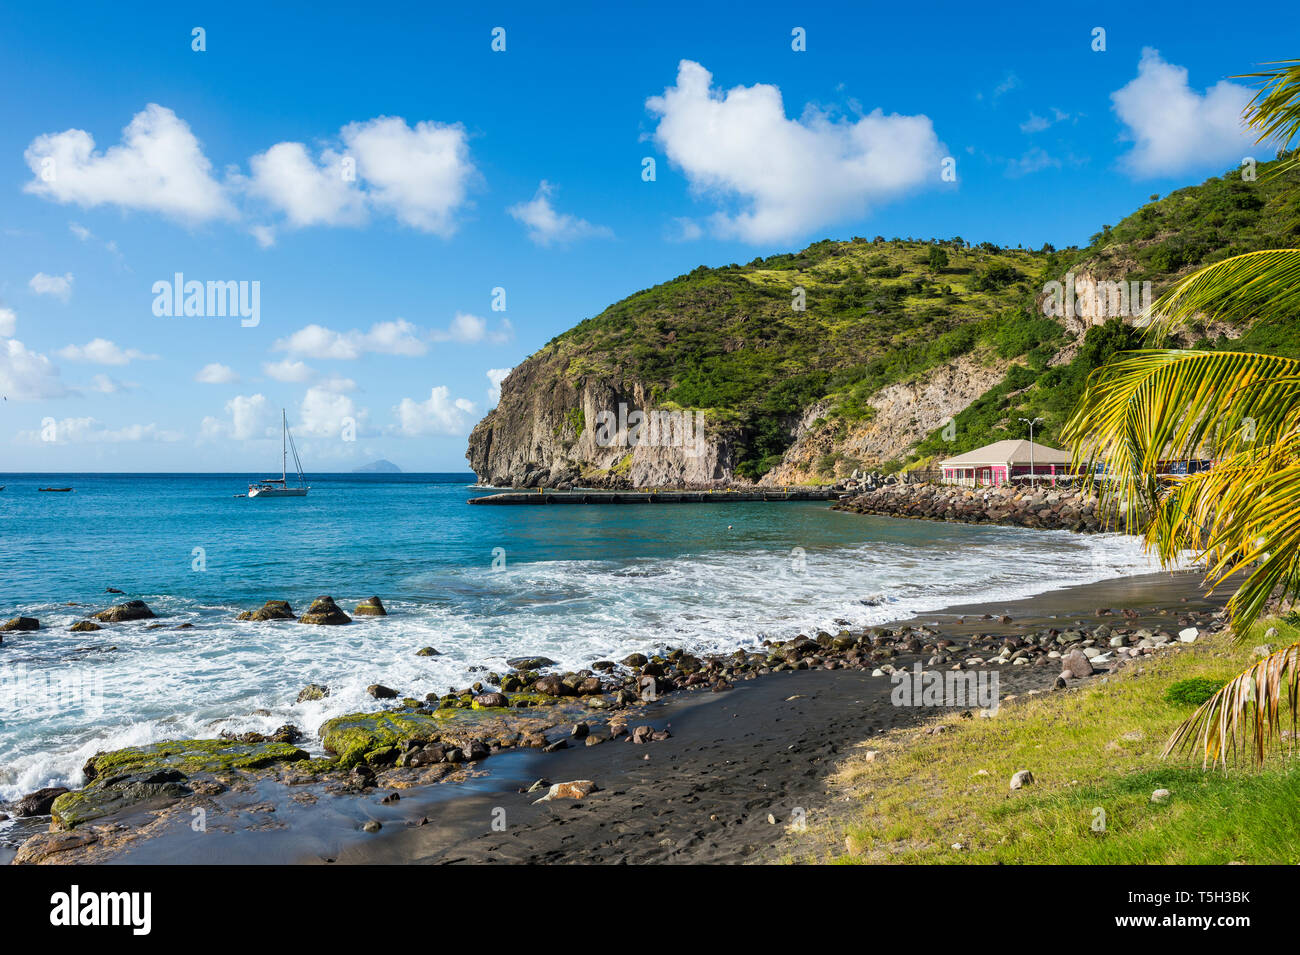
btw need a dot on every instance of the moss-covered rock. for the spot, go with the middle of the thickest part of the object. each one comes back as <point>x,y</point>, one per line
<point>312,692</point>
<point>119,613</point>
<point>370,607</point>
<point>352,736</point>
<point>85,626</point>
<point>146,791</point>
<point>271,610</point>
<point>20,623</point>
<point>190,756</point>
<point>324,611</point>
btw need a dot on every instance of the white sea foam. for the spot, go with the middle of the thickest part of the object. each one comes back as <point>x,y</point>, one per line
<point>65,696</point>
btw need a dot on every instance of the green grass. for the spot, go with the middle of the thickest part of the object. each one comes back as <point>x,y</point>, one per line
<point>1096,756</point>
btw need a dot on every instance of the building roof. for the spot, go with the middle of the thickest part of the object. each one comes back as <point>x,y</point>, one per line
<point>1011,453</point>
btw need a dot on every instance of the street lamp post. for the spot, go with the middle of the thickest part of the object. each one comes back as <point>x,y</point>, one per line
<point>1031,422</point>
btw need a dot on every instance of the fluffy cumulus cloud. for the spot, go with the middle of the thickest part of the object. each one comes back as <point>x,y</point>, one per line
<point>288,370</point>
<point>467,329</point>
<point>247,417</point>
<point>216,374</point>
<point>495,376</point>
<point>398,337</point>
<point>787,177</point>
<point>418,174</point>
<point>26,375</point>
<point>107,385</point>
<point>307,192</point>
<point>55,286</point>
<point>326,410</point>
<point>1172,127</point>
<point>546,226</point>
<point>8,322</point>
<point>101,351</point>
<point>440,414</point>
<point>159,166</point>
<point>93,431</point>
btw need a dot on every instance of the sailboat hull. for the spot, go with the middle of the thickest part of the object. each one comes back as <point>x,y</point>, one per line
<point>278,491</point>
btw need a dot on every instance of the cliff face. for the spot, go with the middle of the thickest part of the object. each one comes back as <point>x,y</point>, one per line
<point>548,430</point>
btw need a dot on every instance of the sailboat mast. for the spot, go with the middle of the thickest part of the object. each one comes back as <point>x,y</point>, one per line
<point>284,450</point>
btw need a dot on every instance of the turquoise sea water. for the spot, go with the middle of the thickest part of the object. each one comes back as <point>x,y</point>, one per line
<point>576,583</point>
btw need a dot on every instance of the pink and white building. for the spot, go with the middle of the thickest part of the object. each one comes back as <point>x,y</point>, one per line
<point>1002,461</point>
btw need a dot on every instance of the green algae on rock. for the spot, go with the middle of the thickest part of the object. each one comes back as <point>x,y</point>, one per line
<point>119,613</point>
<point>190,756</point>
<point>370,607</point>
<point>271,610</point>
<point>352,736</point>
<point>324,611</point>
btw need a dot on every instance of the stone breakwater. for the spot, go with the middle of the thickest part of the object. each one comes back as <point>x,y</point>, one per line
<point>1046,508</point>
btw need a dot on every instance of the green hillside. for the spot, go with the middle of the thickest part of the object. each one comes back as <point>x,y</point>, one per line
<point>731,342</point>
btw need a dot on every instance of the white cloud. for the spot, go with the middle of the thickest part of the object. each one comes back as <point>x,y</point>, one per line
<point>107,385</point>
<point>397,337</point>
<point>264,234</point>
<point>470,330</point>
<point>308,193</point>
<point>57,286</point>
<point>1173,128</point>
<point>788,176</point>
<point>546,226</point>
<point>80,231</point>
<point>288,370</point>
<point>101,351</point>
<point>216,374</point>
<point>26,375</point>
<point>158,167</point>
<point>440,414</point>
<point>421,176</point>
<point>8,322</point>
<point>325,411</point>
<point>495,376</point>
<point>93,431</point>
<point>247,417</point>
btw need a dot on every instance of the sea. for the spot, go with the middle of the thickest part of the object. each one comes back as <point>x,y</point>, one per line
<point>576,583</point>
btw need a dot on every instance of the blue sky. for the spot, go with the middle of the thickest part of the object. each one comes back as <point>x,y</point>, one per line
<point>379,171</point>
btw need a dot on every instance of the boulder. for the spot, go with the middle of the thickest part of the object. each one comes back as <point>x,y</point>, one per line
<point>574,789</point>
<point>39,802</point>
<point>271,610</point>
<point>119,613</point>
<point>530,663</point>
<point>324,612</point>
<point>1076,664</point>
<point>427,652</point>
<point>1022,779</point>
<point>370,607</point>
<point>490,699</point>
<point>552,685</point>
<point>84,626</point>
<point>20,623</point>
<point>381,692</point>
<point>1161,795</point>
<point>312,692</point>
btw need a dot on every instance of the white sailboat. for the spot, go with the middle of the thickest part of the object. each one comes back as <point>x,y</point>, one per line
<point>279,487</point>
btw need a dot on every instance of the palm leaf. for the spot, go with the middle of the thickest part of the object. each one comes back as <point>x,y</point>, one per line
<point>1275,108</point>
<point>1248,705</point>
<point>1257,286</point>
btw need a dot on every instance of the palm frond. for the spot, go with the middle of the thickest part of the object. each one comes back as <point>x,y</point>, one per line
<point>1275,108</point>
<point>1248,705</point>
<point>1255,287</point>
<point>1156,405</point>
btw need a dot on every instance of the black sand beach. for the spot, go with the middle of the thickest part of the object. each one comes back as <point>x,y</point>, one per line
<point>738,768</point>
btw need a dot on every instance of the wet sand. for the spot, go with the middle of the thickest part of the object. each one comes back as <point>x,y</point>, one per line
<point>738,768</point>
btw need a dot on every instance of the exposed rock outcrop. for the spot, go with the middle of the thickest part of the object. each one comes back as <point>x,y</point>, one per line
<point>120,613</point>
<point>324,611</point>
<point>271,610</point>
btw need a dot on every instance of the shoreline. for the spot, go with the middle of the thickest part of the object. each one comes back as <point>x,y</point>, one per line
<point>761,748</point>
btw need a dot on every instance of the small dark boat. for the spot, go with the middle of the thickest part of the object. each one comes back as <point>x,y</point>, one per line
<point>54,489</point>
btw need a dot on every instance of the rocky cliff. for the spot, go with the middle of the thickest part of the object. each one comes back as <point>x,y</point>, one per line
<point>803,367</point>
